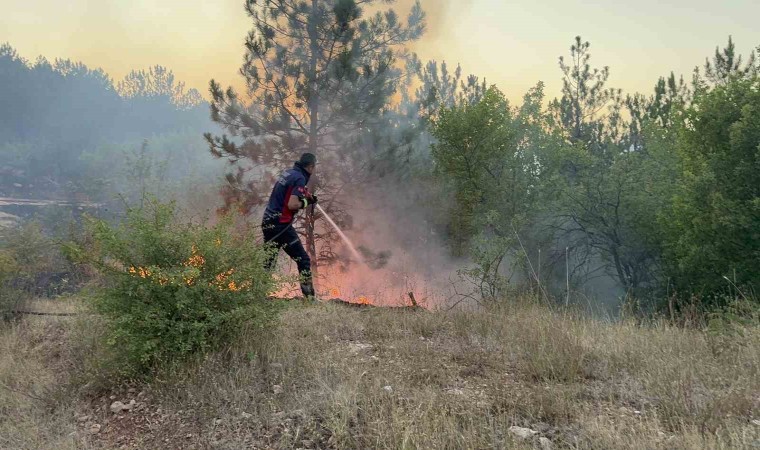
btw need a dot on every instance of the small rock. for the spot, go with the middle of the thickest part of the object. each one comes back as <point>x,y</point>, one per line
<point>637,412</point>
<point>113,397</point>
<point>83,418</point>
<point>357,347</point>
<point>545,443</point>
<point>129,406</point>
<point>217,421</point>
<point>117,407</point>
<point>522,433</point>
<point>245,415</point>
<point>18,185</point>
<point>756,422</point>
<point>131,390</point>
<point>277,389</point>
<point>94,428</point>
<point>388,389</point>
<point>189,436</point>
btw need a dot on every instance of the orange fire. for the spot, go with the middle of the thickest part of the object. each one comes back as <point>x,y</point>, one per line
<point>222,281</point>
<point>362,300</point>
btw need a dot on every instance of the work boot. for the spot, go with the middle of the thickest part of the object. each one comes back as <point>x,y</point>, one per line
<point>307,288</point>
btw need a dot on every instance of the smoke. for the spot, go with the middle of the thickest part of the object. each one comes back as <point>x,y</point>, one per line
<point>438,15</point>
<point>395,227</point>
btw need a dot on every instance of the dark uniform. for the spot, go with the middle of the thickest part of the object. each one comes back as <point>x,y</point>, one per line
<point>277,224</point>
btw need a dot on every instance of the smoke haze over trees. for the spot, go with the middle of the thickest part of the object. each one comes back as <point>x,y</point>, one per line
<point>68,131</point>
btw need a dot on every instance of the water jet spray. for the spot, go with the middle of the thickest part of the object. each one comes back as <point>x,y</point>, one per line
<point>343,236</point>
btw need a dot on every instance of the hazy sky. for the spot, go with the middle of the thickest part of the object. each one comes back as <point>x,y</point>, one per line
<point>511,43</point>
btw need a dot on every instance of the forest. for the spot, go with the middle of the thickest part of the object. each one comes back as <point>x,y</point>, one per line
<point>651,197</point>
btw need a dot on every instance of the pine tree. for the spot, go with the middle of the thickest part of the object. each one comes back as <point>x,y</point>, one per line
<point>588,110</point>
<point>727,63</point>
<point>318,75</point>
<point>158,83</point>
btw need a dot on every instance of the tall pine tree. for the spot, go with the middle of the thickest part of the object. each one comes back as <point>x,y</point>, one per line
<point>318,75</point>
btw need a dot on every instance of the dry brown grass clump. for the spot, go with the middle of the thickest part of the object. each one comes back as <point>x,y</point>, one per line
<point>336,377</point>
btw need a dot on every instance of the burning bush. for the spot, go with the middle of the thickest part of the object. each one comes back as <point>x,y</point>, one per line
<point>175,289</point>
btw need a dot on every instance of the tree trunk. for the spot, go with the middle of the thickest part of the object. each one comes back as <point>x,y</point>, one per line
<point>313,105</point>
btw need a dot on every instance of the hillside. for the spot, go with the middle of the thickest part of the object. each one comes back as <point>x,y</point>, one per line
<point>331,376</point>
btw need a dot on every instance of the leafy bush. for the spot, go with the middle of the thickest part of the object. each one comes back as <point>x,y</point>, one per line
<point>30,265</point>
<point>175,289</point>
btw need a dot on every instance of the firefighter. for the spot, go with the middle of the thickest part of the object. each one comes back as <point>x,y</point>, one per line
<point>289,195</point>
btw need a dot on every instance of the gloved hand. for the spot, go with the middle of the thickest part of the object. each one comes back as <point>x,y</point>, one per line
<point>310,199</point>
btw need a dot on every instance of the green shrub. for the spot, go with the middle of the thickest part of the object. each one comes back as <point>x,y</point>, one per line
<point>175,289</point>
<point>8,268</point>
<point>30,265</point>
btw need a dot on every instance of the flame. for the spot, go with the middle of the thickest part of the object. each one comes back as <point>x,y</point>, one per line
<point>198,261</point>
<point>195,260</point>
<point>335,292</point>
<point>362,300</point>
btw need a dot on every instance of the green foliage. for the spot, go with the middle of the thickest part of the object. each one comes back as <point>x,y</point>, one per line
<point>174,289</point>
<point>33,263</point>
<point>8,265</point>
<point>26,254</point>
<point>473,141</point>
<point>714,224</point>
<point>727,64</point>
<point>490,155</point>
<point>27,245</point>
<point>588,110</point>
<point>486,153</point>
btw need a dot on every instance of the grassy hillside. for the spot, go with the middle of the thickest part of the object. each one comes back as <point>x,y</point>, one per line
<point>331,376</point>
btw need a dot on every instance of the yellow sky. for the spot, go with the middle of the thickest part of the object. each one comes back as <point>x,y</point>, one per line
<point>511,43</point>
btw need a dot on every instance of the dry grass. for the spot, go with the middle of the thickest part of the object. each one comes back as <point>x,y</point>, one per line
<point>336,377</point>
<point>28,379</point>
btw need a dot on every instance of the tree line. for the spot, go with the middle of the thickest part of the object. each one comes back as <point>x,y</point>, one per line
<point>69,130</point>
